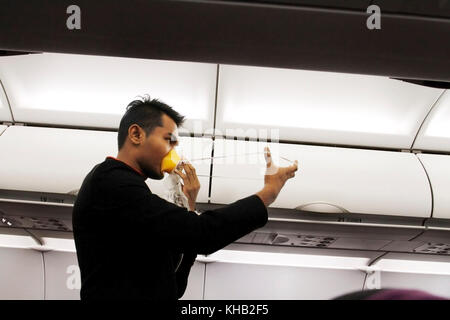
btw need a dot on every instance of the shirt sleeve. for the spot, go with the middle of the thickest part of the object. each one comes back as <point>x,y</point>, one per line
<point>133,204</point>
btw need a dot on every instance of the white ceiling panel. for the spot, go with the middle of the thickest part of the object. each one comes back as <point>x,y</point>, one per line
<point>94,91</point>
<point>2,129</point>
<point>293,274</point>
<point>62,276</point>
<point>16,238</point>
<point>21,274</point>
<point>435,132</point>
<point>5,113</point>
<point>57,160</point>
<point>321,107</point>
<point>329,179</point>
<point>51,160</point>
<point>408,262</point>
<point>429,273</point>
<point>438,170</point>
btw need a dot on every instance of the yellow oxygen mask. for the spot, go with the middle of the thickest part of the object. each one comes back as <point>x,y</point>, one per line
<point>170,161</point>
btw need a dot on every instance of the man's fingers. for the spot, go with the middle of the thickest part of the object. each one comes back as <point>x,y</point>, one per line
<point>189,171</point>
<point>192,175</point>
<point>294,167</point>
<point>182,175</point>
<point>268,157</point>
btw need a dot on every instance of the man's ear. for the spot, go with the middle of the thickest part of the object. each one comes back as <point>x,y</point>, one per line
<point>136,134</point>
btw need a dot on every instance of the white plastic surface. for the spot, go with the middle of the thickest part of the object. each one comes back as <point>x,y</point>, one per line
<point>55,240</point>
<point>435,132</point>
<point>62,276</point>
<point>5,113</point>
<point>322,107</point>
<point>2,129</point>
<point>57,160</point>
<point>438,169</point>
<point>21,274</point>
<point>93,91</point>
<point>359,181</point>
<point>16,238</point>
<point>269,275</point>
<point>194,289</point>
<point>430,273</point>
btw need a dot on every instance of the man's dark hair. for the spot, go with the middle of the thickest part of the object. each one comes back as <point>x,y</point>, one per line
<point>147,114</point>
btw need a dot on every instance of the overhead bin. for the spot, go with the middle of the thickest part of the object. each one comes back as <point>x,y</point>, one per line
<point>57,160</point>
<point>62,272</point>
<point>2,129</point>
<point>20,266</point>
<point>5,113</point>
<point>430,273</point>
<point>196,282</point>
<point>93,91</point>
<point>434,135</point>
<point>438,170</point>
<point>321,107</point>
<point>252,272</point>
<point>333,180</point>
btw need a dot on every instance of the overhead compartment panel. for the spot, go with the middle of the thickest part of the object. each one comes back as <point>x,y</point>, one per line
<point>430,273</point>
<point>5,113</point>
<point>15,238</point>
<point>21,268</point>
<point>93,91</point>
<point>2,129</point>
<point>57,160</point>
<point>247,272</point>
<point>321,107</point>
<point>334,180</point>
<point>438,170</point>
<point>435,132</point>
<point>62,276</point>
<point>196,282</point>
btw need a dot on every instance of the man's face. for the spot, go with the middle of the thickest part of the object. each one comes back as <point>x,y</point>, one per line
<point>155,147</point>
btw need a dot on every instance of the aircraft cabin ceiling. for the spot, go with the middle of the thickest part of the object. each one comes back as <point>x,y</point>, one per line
<point>2,129</point>
<point>438,170</point>
<point>92,91</point>
<point>5,113</point>
<point>327,35</point>
<point>340,180</point>
<point>435,132</point>
<point>323,107</point>
<point>278,104</point>
<point>70,154</point>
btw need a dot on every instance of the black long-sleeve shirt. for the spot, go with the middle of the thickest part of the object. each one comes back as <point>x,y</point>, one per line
<point>128,239</point>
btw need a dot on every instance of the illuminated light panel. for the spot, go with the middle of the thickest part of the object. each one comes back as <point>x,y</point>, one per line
<point>15,238</point>
<point>311,105</point>
<point>5,114</point>
<point>414,266</point>
<point>286,259</point>
<point>95,90</point>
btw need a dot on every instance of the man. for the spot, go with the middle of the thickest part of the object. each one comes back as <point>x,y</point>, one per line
<point>128,239</point>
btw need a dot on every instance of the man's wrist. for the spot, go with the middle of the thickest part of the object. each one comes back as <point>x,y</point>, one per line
<point>267,195</point>
<point>191,206</point>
